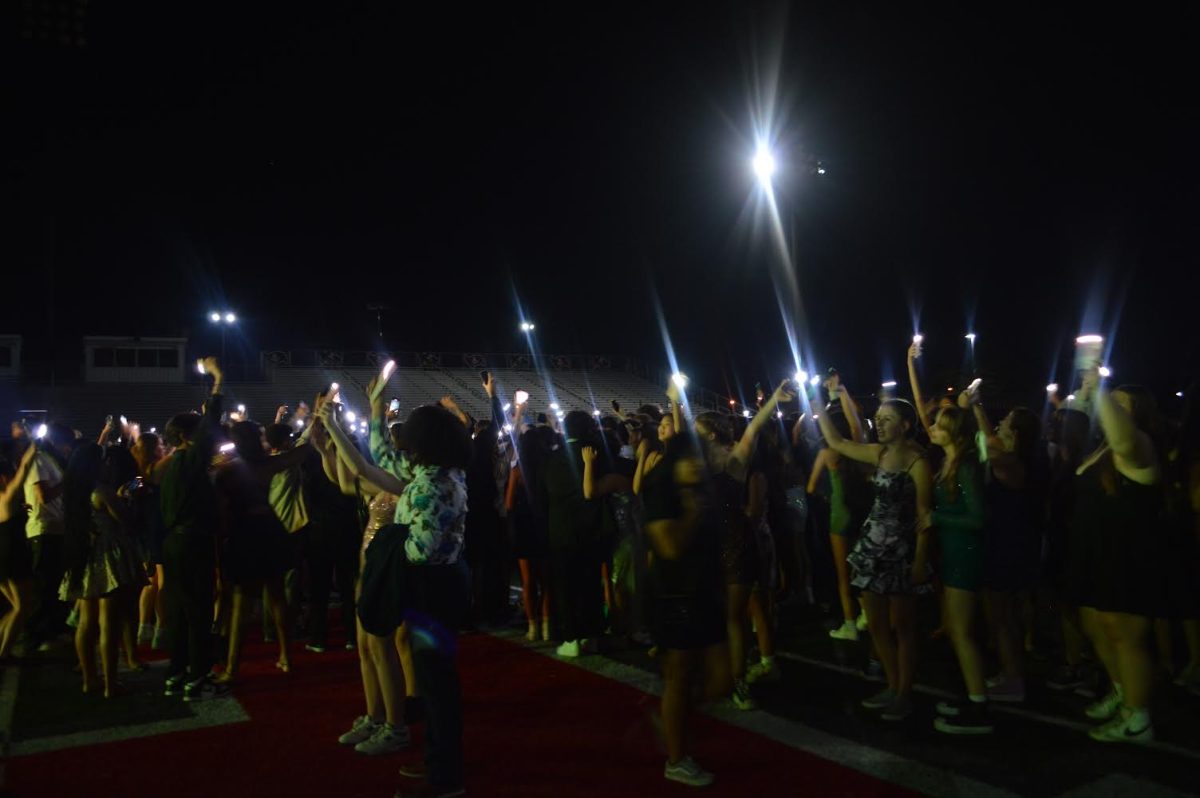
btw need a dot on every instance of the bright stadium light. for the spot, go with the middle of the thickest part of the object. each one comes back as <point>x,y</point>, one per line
<point>214,317</point>
<point>230,318</point>
<point>764,164</point>
<point>527,326</point>
<point>970,337</point>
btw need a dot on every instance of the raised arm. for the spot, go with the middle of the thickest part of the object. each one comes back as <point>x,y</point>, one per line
<point>744,448</point>
<point>354,459</point>
<point>914,352</point>
<point>1130,446</point>
<point>15,484</point>
<point>862,452</point>
<point>850,411</point>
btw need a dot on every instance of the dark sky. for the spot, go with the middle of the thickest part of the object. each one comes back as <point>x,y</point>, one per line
<point>1035,173</point>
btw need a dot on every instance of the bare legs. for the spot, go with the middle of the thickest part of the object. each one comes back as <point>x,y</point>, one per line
<point>840,549</point>
<point>1127,638</point>
<point>737,602</point>
<point>683,688</point>
<point>98,618</point>
<point>892,622</point>
<point>762,616</point>
<point>533,586</point>
<point>960,612</point>
<point>237,631</point>
<point>1002,612</point>
<point>17,595</point>
<point>278,605</point>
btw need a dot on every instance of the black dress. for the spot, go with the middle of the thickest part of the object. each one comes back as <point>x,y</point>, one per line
<point>1118,547</point>
<point>255,546</point>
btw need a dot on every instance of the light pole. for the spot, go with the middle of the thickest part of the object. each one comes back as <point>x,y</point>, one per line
<point>223,321</point>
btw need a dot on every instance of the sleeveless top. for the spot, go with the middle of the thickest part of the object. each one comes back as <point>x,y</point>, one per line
<point>881,561</point>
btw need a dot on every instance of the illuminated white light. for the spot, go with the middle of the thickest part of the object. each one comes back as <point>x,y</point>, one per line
<point>388,368</point>
<point>41,431</point>
<point>764,164</point>
<point>521,397</point>
<point>820,170</point>
<point>815,380</point>
<point>970,337</point>
<point>299,423</point>
<point>974,386</point>
<point>1090,339</point>
<point>241,409</point>
<point>889,384</point>
<point>508,427</point>
<point>918,338</point>
<point>745,414</point>
<point>154,429</point>
<point>1179,394</point>
<point>818,415</point>
<point>679,379</point>
<point>350,416</point>
<point>778,414</point>
<point>554,405</point>
<point>124,420</point>
<point>596,413</point>
<point>561,415</point>
<point>1070,397</point>
<point>1105,371</point>
<point>230,318</point>
<point>225,448</point>
<point>507,406</point>
<point>214,317</point>
<point>1052,388</point>
<point>199,366</point>
<point>732,403</point>
<point>527,326</point>
<point>801,376</point>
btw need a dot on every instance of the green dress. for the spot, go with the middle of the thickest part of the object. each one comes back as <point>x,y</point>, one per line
<point>848,500</point>
<point>959,524</point>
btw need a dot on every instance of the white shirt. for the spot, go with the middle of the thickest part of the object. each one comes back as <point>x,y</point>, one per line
<point>44,519</point>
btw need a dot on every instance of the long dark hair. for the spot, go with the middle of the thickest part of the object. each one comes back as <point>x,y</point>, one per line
<point>83,474</point>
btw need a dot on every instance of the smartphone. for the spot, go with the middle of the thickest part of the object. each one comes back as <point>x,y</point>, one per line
<point>394,405</point>
<point>974,386</point>
<point>1088,350</point>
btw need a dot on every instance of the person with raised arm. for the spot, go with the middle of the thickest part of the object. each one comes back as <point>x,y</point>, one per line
<point>189,513</point>
<point>433,507</point>
<point>923,409</point>
<point>1015,484</point>
<point>848,500</point>
<point>1117,551</point>
<point>958,518</point>
<point>728,464</point>
<point>890,561</point>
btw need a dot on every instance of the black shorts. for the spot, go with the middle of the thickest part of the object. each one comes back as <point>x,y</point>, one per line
<point>688,622</point>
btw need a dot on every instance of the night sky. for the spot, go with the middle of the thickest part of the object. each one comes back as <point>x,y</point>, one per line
<point>1030,175</point>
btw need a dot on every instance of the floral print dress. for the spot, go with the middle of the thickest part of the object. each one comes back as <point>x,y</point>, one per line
<point>881,561</point>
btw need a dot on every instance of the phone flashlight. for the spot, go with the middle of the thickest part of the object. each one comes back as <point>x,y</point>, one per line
<point>521,397</point>
<point>394,405</point>
<point>388,368</point>
<point>680,380</point>
<point>974,386</point>
<point>199,366</point>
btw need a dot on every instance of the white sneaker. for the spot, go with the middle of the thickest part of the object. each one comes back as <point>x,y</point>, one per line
<point>1120,730</point>
<point>686,771</point>
<point>758,672</point>
<point>568,649</point>
<point>1106,707</point>
<point>364,727</point>
<point>847,631</point>
<point>861,623</point>
<point>387,739</point>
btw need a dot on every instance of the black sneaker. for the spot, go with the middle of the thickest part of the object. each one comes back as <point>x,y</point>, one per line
<point>972,718</point>
<point>204,689</point>
<point>1066,677</point>
<point>173,685</point>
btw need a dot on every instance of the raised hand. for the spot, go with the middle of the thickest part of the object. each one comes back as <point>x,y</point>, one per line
<point>489,385</point>
<point>914,351</point>
<point>785,392</point>
<point>589,454</point>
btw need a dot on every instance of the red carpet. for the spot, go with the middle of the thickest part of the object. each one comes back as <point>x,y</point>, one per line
<point>534,727</point>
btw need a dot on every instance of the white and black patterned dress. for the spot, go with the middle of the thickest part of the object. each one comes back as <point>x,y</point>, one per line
<point>881,561</point>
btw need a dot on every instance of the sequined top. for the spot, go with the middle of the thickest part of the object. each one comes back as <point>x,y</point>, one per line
<point>379,514</point>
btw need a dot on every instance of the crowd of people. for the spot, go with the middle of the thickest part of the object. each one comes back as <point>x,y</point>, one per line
<point>683,532</point>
